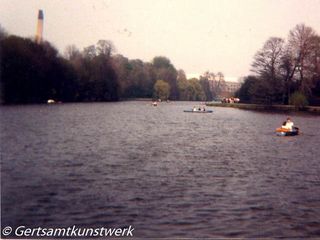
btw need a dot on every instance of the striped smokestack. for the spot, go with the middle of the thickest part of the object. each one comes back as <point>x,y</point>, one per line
<point>39,27</point>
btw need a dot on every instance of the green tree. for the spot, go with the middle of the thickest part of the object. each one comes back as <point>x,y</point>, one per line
<point>247,88</point>
<point>191,90</point>
<point>161,90</point>
<point>298,99</point>
<point>135,77</point>
<point>182,86</point>
<point>163,69</point>
<point>195,91</point>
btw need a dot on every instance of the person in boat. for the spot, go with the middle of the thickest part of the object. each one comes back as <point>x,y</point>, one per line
<point>284,124</point>
<point>288,124</point>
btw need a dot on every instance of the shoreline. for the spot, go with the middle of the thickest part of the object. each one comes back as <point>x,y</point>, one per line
<point>261,107</point>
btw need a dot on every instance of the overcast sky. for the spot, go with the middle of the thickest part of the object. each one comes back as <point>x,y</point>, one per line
<point>196,35</point>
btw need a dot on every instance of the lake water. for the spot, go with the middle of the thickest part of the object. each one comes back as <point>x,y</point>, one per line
<point>165,172</point>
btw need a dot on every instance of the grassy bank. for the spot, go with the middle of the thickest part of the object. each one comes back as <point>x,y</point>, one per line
<point>260,107</point>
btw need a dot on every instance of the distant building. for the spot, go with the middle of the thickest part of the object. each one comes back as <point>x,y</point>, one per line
<point>232,87</point>
<point>219,87</point>
<point>39,32</point>
<point>228,89</point>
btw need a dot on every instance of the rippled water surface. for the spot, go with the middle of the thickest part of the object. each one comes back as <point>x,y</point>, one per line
<point>165,172</point>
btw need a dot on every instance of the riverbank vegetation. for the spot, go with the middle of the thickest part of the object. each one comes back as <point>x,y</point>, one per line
<point>34,73</point>
<point>286,71</point>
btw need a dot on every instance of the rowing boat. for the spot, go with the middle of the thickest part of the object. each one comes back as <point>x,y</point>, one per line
<point>192,111</point>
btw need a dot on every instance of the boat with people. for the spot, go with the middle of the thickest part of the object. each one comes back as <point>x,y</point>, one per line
<point>286,132</point>
<point>191,111</point>
<point>198,110</point>
<point>287,129</point>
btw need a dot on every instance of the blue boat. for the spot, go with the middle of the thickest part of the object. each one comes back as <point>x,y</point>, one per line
<point>192,111</point>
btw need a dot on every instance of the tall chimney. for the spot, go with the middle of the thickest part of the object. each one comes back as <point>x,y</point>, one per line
<point>39,27</point>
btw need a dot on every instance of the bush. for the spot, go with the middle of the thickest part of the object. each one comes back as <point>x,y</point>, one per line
<point>298,99</point>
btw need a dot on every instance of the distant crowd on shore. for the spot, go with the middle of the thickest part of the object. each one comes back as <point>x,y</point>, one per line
<point>230,100</point>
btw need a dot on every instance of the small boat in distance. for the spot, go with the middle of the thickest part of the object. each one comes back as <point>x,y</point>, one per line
<point>199,110</point>
<point>287,132</point>
<point>154,104</point>
<point>192,111</point>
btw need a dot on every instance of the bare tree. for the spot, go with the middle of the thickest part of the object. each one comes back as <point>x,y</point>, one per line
<point>312,65</point>
<point>71,52</point>
<point>105,47</point>
<point>90,52</point>
<point>181,75</point>
<point>221,83</point>
<point>211,78</point>
<point>3,33</point>
<point>300,43</point>
<point>268,59</point>
<point>266,64</point>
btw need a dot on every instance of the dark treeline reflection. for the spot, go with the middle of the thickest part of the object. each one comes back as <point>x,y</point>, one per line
<point>34,73</point>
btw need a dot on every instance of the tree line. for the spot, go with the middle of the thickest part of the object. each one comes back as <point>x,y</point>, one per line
<point>34,73</point>
<point>286,72</point>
